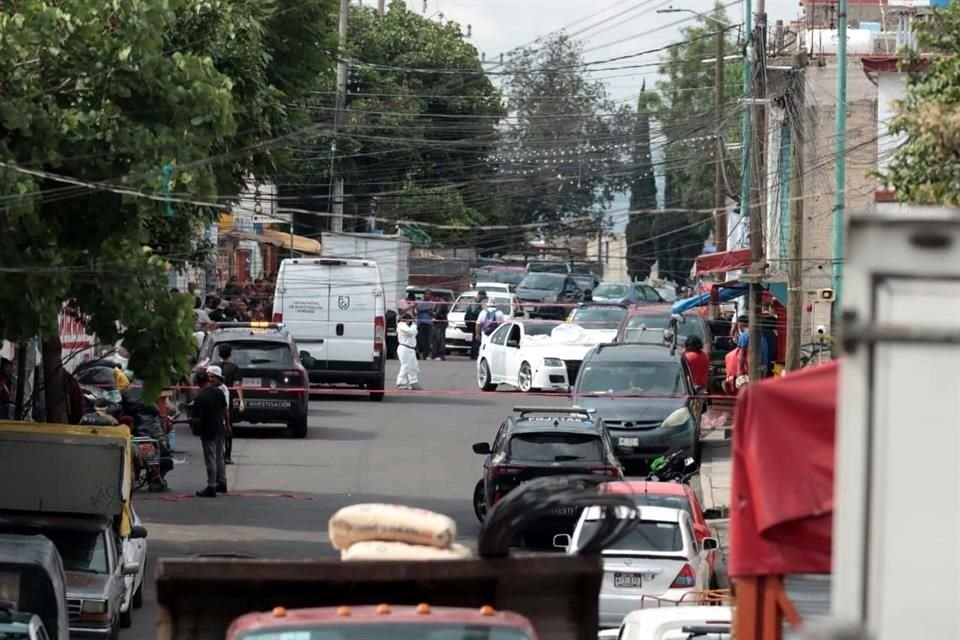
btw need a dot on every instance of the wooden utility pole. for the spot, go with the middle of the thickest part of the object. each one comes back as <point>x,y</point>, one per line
<point>758,205</point>
<point>796,112</point>
<point>336,222</point>
<point>719,189</point>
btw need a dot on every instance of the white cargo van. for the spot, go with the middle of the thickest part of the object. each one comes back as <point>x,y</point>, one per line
<point>334,308</point>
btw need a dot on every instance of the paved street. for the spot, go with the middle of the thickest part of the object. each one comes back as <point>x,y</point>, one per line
<point>411,448</point>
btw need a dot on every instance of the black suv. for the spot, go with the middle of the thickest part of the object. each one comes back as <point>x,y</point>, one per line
<point>548,295</point>
<point>269,371</point>
<point>645,397</point>
<point>544,441</point>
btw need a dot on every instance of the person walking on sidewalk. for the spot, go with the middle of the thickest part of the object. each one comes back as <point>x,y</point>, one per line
<point>209,414</point>
<point>409,375</point>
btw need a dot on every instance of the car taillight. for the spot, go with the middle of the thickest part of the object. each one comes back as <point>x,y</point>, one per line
<point>379,327</point>
<point>277,317</point>
<point>685,579</point>
<point>506,469</point>
<point>293,376</point>
<point>613,472</point>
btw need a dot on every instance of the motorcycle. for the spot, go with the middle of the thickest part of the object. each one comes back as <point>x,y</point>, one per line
<point>150,438</point>
<point>673,467</point>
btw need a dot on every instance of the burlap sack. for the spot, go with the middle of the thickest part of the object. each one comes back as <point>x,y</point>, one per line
<point>391,523</point>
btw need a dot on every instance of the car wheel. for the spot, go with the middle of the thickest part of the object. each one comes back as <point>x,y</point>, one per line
<point>479,502</point>
<point>126,617</point>
<point>138,597</point>
<point>525,378</point>
<point>299,427</point>
<point>483,377</point>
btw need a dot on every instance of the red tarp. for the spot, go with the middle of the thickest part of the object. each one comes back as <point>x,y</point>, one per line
<point>722,262</point>
<point>783,459</point>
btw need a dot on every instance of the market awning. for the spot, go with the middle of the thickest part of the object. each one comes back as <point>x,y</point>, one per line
<point>300,244</point>
<point>722,262</point>
<point>725,293</point>
<point>783,459</point>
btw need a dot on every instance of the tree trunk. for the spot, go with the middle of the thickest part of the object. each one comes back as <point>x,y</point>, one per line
<point>54,390</point>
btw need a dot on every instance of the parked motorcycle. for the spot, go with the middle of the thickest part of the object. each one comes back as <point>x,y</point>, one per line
<point>673,467</point>
<point>150,438</point>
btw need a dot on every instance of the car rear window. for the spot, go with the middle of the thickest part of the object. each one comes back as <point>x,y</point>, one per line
<point>549,281</point>
<point>412,631</point>
<point>671,502</point>
<point>599,317</point>
<point>639,378</point>
<point>654,325</point>
<point>556,447</point>
<point>645,535</point>
<point>255,354</point>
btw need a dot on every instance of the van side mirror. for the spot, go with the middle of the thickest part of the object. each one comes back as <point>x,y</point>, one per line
<point>482,448</point>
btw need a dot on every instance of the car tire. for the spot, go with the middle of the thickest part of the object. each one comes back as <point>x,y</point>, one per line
<point>483,376</point>
<point>298,426</point>
<point>126,617</point>
<point>525,378</point>
<point>138,597</point>
<point>479,502</point>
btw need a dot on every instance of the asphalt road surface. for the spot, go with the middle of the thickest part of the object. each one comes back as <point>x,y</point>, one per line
<point>412,448</point>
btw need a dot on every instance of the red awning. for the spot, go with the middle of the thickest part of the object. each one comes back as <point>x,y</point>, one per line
<point>722,262</point>
<point>783,459</point>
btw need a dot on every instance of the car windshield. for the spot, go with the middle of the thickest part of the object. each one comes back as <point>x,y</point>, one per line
<point>549,281</point>
<point>539,328</point>
<point>509,277</point>
<point>249,353</point>
<point>631,377</point>
<point>643,536</point>
<point>655,500</point>
<point>463,302</point>
<point>611,291</point>
<point>555,447</point>
<point>84,551</point>
<point>649,329</point>
<point>388,631</point>
<point>547,267</point>
<point>599,317</point>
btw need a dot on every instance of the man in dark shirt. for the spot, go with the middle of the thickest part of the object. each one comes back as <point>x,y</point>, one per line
<point>209,410</point>
<point>230,375</point>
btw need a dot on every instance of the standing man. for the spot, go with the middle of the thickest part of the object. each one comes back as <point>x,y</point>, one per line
<point>470,318</point>
<point>209,411</point>
<point>489,320</point>
<point>425,316</point>
<point>230,373</point>
<point>438,335</point>
<point>409,375</point>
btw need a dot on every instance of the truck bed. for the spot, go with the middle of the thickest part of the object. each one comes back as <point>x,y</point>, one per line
<point>199,598</point>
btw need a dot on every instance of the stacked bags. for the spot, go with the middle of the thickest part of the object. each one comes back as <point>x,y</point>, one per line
<point>394,532</point>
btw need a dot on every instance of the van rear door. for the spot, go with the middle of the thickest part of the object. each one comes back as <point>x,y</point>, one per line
<point>356,300</point>
<point>303,299</point>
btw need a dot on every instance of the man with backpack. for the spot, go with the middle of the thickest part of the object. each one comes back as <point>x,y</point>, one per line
<point>470,319</point>
<point>489,320</point>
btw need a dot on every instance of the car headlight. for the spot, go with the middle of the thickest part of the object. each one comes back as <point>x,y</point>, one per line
<point>93,606</point>
<point>552,362</point>
<point>677,419</point>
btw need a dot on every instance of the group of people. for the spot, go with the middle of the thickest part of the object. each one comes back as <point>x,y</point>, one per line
<point>430,315</point>
<point>736,360</point>
<point>238,302</point>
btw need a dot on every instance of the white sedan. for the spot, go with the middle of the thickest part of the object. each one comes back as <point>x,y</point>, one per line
<point>134,552</point>
<point>525,355</point>
<point>458,336</point>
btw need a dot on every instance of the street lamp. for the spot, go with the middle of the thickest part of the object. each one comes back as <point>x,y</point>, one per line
<point>719,189</point>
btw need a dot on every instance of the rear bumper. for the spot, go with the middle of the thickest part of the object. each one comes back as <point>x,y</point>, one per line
<point>83,631</point>
<point>652,443</point>
<point>355,373</point>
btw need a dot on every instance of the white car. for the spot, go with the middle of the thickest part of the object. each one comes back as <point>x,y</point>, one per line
<point>497,289</point>
<point>134,552</point>
<point>658,563</point>
<point>458,336</point>
<point>529,357</point>
<point>668,623</point>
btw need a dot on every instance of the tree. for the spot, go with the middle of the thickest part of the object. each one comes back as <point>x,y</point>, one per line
<point>115,118</point>
<point>564,149</point>
<point>925,169</point>
<point>421,119</point>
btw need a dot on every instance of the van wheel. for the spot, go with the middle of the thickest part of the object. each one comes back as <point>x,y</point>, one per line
<point>299,427</point>
<point>483,377</point>
<point>381,385</point>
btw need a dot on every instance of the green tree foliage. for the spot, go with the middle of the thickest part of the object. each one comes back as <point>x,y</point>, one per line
<point>689,122</point>
<point>926,168</point>
<point>564,148</point>
<point>110,95</point>
<point>420,121</point>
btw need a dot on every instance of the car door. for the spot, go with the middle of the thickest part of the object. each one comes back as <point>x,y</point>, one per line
<point>497,353</point>
<point>698,559</point>
<point>496,449</point>
<point>512,353</point>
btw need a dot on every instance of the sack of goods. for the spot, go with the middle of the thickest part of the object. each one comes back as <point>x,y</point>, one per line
<point>390,523</point>
<point>379,550</point>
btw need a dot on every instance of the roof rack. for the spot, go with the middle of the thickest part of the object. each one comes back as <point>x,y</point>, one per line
<point>523,411</point>
<point>276,326</point>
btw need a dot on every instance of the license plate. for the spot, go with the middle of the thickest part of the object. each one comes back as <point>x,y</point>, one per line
<point>627,580</point>
<point>629,442</point>
<point>251,382</point>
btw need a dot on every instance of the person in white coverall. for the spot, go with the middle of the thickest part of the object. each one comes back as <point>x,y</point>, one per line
<point>409,375</point>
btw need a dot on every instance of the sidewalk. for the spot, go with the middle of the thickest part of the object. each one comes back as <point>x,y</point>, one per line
<point>715,472</point>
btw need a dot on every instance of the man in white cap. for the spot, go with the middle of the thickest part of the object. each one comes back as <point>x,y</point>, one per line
<point>211,413</point>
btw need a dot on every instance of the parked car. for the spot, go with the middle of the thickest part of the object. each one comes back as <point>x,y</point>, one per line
<point>626,293</point>
<point>586,281</point>
<point>659,561</point>
<point>603,320</point>
<point>458,335</point>
<point>271,373</point>
<point>522,354</point>
<point>134,554</point>
<point>536,442</point>
<point>16,625</point>
<point>510,276</point>
<point>492,288</point>
<point>548,266</point>
<point>646,398</point>
<point>675,623</point>
<point>548,295</point>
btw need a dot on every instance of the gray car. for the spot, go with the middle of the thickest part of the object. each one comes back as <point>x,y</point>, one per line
<point>646,399</point>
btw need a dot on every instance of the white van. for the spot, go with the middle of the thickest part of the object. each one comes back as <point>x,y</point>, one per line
<point>335,310</point>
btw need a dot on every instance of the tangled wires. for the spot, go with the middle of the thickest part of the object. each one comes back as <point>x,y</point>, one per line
<point>542,497</point>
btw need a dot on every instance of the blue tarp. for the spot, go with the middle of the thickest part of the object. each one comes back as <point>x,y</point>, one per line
<point>726,294</point>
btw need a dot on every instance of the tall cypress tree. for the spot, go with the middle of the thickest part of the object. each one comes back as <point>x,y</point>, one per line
<point>643,194</point>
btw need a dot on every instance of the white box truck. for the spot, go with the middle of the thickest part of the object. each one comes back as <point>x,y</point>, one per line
<point>391,253</point>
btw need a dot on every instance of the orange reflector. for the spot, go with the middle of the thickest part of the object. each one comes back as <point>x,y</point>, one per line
<point>383,608</point>
<point>423,607</point>
<point>279,612</point>
<point>486,610</point>
<point>343,611</point>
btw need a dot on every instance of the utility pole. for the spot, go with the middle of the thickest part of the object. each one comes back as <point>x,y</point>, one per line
<point>840,188</point>
<point>796,102</point>
<point>719,190</point>
<point>336,223</point>
<point>758,210</point>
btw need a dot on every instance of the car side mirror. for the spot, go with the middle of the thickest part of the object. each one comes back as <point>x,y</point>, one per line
<point>515,344</point>
<point>562,541</point>
<point>712,514</point>
<point>482,448</point>
<point>131,568</point>
<point>709,544</point>
<point>138,532</point>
